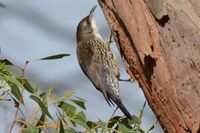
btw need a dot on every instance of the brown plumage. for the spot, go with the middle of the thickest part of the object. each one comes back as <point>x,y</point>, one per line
<point>98,61</point>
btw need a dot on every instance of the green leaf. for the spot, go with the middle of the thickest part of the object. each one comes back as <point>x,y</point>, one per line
<point>134,120</point>
<point>151,128</point>
<point>140,119</point>
<point>53,57</point>
<point>6,62</point>
<point>117,128</point>
<point>81,115</point>
<point>142,111</point>
<point>67,108</point>
<point>42,95</point>
<point>91,124</point>
<point>9,70</point>
<point>81,99</point>
<point>15,86</point>
<point>123,129</point>
<point>42,106</point>
<point>125,122</point>
<point>102,125</point>
<point>113,121</point>
<point>16,92</point>
<point>83,124</point>
<point>71,130</point>
<point>79,103</point>
<point>28,86</point>
<point>30,129</point>
<point>61,127</point>
<point>14,81</point>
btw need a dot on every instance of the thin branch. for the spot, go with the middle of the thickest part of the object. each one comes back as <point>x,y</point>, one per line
<point>21,97</point>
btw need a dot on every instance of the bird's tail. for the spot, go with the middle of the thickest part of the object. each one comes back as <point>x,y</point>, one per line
<point>123,108</point>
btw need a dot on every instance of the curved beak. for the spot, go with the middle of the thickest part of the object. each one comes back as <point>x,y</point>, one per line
<point>92,11</point>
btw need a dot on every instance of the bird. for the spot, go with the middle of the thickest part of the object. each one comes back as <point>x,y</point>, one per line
<point>98,62</point>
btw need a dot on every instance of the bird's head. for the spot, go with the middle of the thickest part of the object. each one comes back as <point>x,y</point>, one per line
<point>87,27</point>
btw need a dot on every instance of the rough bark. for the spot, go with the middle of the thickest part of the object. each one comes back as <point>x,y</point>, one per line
<point>159,42</point>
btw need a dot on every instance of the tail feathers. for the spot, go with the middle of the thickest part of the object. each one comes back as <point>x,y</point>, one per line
<point>108,99</point>
<point>123,108</point>
<point>119,103</point>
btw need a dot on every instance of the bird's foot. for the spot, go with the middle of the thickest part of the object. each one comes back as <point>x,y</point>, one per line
<point>127,80</point>
<point>111,36</point>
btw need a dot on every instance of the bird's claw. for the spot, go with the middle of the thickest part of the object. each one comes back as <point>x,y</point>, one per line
<point>127,80</point>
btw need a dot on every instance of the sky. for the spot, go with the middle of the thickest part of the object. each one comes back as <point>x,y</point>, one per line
<point>32,29</point>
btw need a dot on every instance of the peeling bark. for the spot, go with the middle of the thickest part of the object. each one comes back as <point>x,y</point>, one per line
<point>160,49</point>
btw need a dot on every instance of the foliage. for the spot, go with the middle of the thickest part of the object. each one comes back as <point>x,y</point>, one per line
<point>70,115</point>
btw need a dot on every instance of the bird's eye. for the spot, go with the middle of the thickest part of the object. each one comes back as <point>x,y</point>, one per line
<point>88,21</point>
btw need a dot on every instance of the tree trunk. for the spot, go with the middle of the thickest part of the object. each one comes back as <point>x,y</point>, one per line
<point>159,42</point>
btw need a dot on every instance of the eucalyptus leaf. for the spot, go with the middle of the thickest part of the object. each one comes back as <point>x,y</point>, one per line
<point>42,106</point>
<point>16,92</point>
<point>42,95</point>
<point>103,125</point>
<point>53,57</point>
<point>9,70</point>
<point>81,115</point>
<point>125,122</point>
<point>141,112</point>
<point>113,121</point>
<point>80,98</point>
<point>14,80</point>
<point>28,86</point>
<point>6,62</point>
<point>79,103</point>
<point>83,124</point>
<point>67,108</point>
<point>15,86</point>
<point>151,128</point>
<point>124,129</point>
<point>134,120</point>
<point>91,124</point>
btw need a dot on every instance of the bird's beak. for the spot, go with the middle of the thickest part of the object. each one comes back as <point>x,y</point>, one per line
<point>92,11</point>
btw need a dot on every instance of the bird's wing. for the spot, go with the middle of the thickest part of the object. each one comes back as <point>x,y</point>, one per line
<point>99,66</point>
<point>114,64</point>
<point>113,60</point>
<point>106,67</point>
<point>91,65</point>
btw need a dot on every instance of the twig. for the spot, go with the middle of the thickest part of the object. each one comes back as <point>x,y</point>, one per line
<point>14,120</point>
<point>21,97</point>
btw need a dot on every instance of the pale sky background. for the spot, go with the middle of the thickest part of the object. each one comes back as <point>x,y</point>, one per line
<point>31,29</point>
